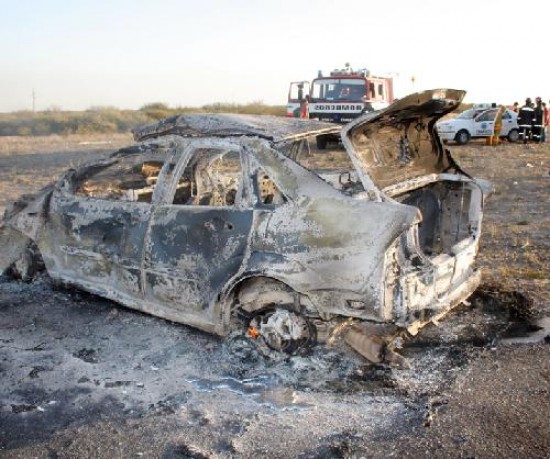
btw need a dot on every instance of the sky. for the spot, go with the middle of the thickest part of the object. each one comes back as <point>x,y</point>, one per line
<point>74,55</point>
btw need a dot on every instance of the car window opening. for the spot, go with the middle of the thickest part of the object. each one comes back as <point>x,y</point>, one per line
<point>130,178</point>
<point>335,89</point>
<point>212,177</point>
<point>267,191</point>
<point>332,166</point>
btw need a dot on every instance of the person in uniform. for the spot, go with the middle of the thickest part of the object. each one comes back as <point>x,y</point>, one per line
<point>538,121</point>
<point>526,117</point>
<point>546,121</point>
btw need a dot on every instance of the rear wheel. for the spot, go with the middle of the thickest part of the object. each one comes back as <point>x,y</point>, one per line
<point>513,135</point>
<point>282,330</point>
<point>273,315</point>
<point>462,137</point>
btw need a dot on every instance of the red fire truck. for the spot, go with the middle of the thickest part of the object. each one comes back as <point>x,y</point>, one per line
<point>341,96</point>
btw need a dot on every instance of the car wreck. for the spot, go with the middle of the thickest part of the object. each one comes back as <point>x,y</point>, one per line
<point>232,222</point>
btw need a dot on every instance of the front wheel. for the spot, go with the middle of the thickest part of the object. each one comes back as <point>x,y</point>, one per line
<point>462,137</point>
<point>513,135</point>
<point>28,264</point>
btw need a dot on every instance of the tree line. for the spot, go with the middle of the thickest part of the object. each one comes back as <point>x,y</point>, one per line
<point>106,120</point>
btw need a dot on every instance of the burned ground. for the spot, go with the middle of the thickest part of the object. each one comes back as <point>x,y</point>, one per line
<point>84,377</point>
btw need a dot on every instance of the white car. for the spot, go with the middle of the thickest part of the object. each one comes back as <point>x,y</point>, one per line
<point>476,123</point>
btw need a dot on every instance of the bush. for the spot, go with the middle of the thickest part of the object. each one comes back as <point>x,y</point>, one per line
<point>106,120</point>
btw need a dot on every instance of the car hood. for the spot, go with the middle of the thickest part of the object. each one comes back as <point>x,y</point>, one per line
<point>399,143</point>
<point>450,122</point>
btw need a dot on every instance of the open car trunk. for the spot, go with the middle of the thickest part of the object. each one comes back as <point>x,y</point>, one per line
<point>430,268</point>
<point>435,258</point>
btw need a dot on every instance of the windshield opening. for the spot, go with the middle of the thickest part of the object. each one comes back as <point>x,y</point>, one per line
<point>489,115</point>
<point>298,91</point>
<point>467,115</point>
<point>333,89</point>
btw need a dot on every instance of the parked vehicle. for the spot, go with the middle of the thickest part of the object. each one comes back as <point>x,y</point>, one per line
<point>227,222</point>
<point>478,123</point>
<point>339,97</point>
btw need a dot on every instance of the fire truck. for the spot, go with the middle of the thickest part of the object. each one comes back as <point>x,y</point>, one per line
<point>340,96</point>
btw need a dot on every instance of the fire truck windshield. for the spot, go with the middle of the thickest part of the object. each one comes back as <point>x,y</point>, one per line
<point>341,89</point>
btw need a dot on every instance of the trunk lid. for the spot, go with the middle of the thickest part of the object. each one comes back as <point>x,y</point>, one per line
<point>400,143</point>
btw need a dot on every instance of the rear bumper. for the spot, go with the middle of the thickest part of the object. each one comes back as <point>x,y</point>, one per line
<point>447,302</point>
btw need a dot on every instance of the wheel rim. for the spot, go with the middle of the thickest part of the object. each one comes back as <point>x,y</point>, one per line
<point>282,330</point>
<point>463,137</point>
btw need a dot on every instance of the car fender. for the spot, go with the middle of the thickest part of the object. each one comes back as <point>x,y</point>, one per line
<point>28,214</point>
<point>13,244</point>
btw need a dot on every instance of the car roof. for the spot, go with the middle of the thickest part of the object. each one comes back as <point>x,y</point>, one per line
<point>506,109</point>
<point>481,110</point>
<point>274,128</point>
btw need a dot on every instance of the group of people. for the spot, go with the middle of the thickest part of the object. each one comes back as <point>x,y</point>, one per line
<point>533,120</point>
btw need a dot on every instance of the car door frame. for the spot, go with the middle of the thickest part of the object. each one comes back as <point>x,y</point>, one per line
<point>508,123</point>
<point>107,266</point>
<point>478,129</point>
<point>170,275</point>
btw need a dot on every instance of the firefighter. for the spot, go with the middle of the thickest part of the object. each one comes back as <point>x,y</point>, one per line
<point>546,116</point>
<point>538,121</point>
<point>526,117</point>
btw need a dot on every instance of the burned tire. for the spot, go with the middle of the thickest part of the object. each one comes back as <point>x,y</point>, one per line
<point>282,330</point>
<point>462,137</point>
<point>272,316</point>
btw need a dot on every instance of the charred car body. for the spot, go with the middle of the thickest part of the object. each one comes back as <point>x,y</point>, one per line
<point>213,219</point>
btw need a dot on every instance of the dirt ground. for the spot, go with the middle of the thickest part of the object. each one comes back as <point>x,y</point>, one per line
<point>83,377</point>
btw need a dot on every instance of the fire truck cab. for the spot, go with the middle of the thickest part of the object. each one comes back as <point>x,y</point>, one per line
<point>341,96</point>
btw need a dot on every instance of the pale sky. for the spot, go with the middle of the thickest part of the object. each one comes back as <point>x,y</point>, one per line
<point>125,53</point>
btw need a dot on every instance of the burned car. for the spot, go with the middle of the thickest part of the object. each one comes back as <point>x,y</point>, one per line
<point>233,221</point>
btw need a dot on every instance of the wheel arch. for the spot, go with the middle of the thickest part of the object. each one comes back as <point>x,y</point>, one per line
<point>255,285</point>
